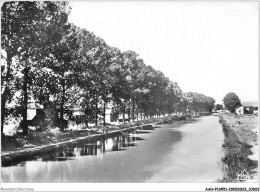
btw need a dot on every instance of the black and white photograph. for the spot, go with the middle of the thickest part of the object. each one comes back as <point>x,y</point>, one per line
<point>129,95</point>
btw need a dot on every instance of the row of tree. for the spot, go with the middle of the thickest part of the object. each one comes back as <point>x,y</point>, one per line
<point>63,66</point>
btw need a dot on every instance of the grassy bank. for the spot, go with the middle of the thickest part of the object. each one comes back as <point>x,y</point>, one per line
<point>238,142</point>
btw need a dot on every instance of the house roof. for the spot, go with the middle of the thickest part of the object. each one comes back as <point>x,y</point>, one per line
<point>34,106</point>
<point>239,107</point>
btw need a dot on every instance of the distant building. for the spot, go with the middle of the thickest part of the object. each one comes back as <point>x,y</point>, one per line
<point>244,110</point>
<point>249,110</point>
<point>255,110</point>
<point>223,111</point>
<point>35,114</point>
<point>240,110</point>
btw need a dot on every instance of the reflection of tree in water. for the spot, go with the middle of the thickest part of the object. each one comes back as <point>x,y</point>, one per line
<point>90,150</point>
<point>118,143</point>
<point>101,146</point>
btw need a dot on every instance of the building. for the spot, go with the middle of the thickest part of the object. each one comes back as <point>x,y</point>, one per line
<point>240,110</point>
<point>223,111</point>
<point>255,110</point>
<point>249,110</point>
<point>35,114</point>
<point>244,110</point>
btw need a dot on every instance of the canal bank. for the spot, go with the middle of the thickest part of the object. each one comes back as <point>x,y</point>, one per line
<point>10,158</point>
<point>240,147</point>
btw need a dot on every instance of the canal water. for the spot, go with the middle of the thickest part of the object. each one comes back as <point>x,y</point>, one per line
<point>185,151</point>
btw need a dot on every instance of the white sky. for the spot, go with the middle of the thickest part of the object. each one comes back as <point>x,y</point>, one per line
<point>207,47</point>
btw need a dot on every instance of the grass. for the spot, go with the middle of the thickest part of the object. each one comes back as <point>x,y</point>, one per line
<point>35,138</point>
<point>236,155</point>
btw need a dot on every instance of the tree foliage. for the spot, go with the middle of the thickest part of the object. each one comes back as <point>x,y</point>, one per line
<point>64,68</point>
<point>218,106</point>
<point>231,101</point>
<point>28,31</point>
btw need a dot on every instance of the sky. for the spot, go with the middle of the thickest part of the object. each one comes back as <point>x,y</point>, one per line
<point>206,47</point>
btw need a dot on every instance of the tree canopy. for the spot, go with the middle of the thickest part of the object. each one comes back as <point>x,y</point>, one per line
<point>65,67</point>
<point>218,106</point>
<point>231,101</point>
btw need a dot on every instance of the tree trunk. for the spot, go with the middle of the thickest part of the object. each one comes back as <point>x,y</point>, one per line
<point>62,107</point>
<point>3,100</point>
<point>124,114</point>
<point>86,123</point>
<point>96,119</point>
<point>133,112</point>
<point>5,95</point>
<point>129,113</point>
<point>86,118</point>
<point>104,115</point>
<point>25,99</point>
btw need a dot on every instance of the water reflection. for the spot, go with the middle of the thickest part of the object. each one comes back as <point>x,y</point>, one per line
<point>141,132</point>
<point>148,128</point>
<point>118,143</point>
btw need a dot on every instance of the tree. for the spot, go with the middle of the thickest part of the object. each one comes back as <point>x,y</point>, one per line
<point>101,76</point>
<point>209,104</point>
<point>134,81</point>
<point>171,97</point>
<point>198,102</point>
<point>28,31</point>
<point>231,101</point>
<point>107,76</point>
<point>64,64</point>
<point>218,106</point>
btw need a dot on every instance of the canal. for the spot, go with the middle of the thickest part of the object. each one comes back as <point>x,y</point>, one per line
<point>185,151</point>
